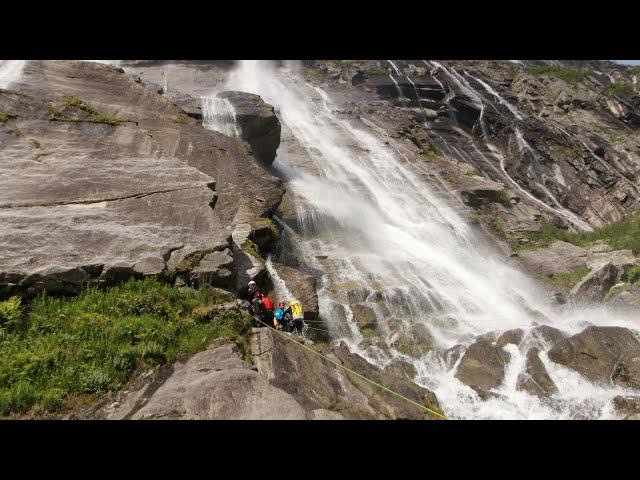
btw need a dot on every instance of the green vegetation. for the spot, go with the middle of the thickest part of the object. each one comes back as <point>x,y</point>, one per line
<point>248,247</point>
<point>569,75</point>
<point>428,151</point>
<point>35,143</point>
<point>504,198</point>
<point>59,352</point>
<point>624,234</point>
<point>313,74</point>
<point>566,280</point>
<point>634,70</point>
<point>6,116</point>
<point>621,89</point>
<point>633,275</point>
<point>94,115</point>
<point>499,228</point>
<point>272,228</point>
<point>375,71</point>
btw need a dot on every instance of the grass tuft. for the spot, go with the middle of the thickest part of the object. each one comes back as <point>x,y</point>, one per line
<point>621,235</point>
<point>58,349</point>
<point>620,89</point>
<point>569,75</point>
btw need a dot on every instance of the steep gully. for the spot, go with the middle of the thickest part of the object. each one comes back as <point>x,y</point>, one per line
<point>393,250</point>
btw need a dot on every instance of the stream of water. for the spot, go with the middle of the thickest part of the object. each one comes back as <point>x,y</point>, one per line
<point>391,244</point>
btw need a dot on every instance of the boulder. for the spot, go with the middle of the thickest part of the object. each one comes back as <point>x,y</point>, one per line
<point>216,268</point>
<point>535,378</point>
<point>514,336</point>
<point>595,285</point>
<point>415,341</point>
<point>549,335</point>
<point>316,383</point>
<point>482,366</point>
<point>257,122</point>
<point>602,354</point>
<point>627,405</point>
<point>212,385</point>
<point>365,316</point>
<point>627,299</point>
<point>557,258</point>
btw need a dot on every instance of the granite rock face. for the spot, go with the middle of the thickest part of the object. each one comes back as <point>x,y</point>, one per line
<point>103,180</point>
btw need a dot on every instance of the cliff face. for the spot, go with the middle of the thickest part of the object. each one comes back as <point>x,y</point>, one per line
<point>562,138</point>
<point>104,179</point>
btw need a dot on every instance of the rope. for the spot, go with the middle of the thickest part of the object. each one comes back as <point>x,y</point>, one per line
<point>339,365</point>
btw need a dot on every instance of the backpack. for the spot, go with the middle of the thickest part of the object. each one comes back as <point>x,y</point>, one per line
<point>279,315</point>
<point>267,304</point>
<point>296,309</point>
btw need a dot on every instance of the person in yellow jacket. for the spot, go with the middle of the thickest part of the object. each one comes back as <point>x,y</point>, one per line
<point>297,315</point>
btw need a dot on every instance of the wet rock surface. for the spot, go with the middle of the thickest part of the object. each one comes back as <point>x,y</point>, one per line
<point>317,384</point>
<point>482,366</point>
<point>535,378</point>
<point>257,122</point>
<point>602,354</point>
<point>595,285</point>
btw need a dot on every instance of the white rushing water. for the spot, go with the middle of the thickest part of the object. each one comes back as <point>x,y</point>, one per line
<point>218,114</point>
<point>10,71</point>
<point>383,235</point>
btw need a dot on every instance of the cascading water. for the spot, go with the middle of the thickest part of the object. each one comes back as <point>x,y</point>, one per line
<point>10,71</point>
<point>219,115</point>
<point>386,242</point>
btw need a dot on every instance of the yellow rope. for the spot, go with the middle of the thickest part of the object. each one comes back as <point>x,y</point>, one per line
<point>339,365</point>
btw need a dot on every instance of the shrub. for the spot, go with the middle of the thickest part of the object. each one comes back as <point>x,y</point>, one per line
<point>569,75</point>
<point>620,89</point>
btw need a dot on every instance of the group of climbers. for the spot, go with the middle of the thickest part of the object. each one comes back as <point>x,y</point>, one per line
<point>284,318</point>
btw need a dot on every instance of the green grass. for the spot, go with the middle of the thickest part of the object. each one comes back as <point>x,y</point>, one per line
<point>569,75</point>
<point>35,143</point>
<point>6,116</point>
<point>633,275</point>
<point>634,70</point>
<point>504,198</point>
<point>249,248</point>
<point>94,115</point>
<point>621,89</point>
<point>621,235</point>
<point>428,151</point>
<point>60,349</point>
<point>499,228</point>
<point>566,280</point>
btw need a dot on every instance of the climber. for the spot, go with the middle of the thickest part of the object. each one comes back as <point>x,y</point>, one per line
<point>279,317</point>
<point>250,291</point>
<point>267,311</point>
<point>283,315</point>
<point>297,315</point>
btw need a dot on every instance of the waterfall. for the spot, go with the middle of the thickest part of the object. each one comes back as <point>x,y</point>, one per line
<point>219,115</point>
<point>10,71</point>
<point>392,244</point>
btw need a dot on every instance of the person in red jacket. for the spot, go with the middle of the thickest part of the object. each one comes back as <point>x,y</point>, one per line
<point>267,311</point>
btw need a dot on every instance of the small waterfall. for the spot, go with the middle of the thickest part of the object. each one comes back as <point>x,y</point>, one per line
<point>488,88</point>
<point>10,72</point>
<point>218,114</point>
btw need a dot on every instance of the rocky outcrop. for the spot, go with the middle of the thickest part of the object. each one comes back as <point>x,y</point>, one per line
<point>482,366</point>
<point>535,378</point>
<point>317,384</point>
<point>134,187</point>
<point>214,384</point>
<point>557,258</point>
<point>595,286</point>
<point>303,287</point>
<point>257,122</point>
<point>602,354</point>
